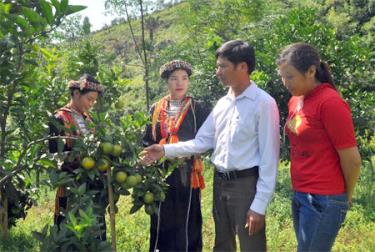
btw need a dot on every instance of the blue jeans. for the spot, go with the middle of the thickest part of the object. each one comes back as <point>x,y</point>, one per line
<point>317,219</point>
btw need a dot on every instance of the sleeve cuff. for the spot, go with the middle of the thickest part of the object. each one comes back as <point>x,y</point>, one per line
<point>169,151</point>
<point>259,206</point>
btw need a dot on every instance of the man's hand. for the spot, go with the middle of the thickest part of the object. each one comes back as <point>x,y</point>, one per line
<point>152,154</point>
<point>254,222</point>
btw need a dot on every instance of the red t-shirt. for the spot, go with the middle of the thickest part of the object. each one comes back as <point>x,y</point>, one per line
<point>315,130</point>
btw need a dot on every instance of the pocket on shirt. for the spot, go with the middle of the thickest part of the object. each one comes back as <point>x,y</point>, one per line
<point>243,129</point>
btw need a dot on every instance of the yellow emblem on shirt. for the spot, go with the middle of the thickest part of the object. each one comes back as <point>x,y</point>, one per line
<point>294,123</point>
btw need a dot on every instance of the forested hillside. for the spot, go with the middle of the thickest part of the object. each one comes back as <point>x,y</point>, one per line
<point>42,48</point>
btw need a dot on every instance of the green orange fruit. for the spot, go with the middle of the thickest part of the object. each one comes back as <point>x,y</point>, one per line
<point>148,198</point>
<point>88,163</point>
<point>132,180</point>
<point>116,150</point>
<point>162,196</point>
<point>138,177</point>
<point>119,104</point>
<point>103,165</point>
<point>121,177</point>
<point>107,148</point>
<point>149,209</point>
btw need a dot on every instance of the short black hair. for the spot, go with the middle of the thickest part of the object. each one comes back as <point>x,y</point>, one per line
<point>237,51</point>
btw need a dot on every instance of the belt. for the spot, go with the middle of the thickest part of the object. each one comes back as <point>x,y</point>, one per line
<point>230,175</point>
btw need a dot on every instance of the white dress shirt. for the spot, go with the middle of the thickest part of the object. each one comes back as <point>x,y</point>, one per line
<point>243,132</point>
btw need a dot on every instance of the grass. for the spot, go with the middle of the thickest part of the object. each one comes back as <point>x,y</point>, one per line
<point>357,233</point>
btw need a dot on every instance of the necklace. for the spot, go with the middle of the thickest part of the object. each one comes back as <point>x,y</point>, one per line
<point>174,107</point>
<point>74,110</point>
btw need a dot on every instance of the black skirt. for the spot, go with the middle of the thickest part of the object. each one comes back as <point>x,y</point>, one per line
<point>180,222</point>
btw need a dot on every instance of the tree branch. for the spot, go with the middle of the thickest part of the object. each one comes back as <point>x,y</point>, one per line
<point>132,33</point>
<point>143,33</point>
<point>19,167</point>
<point>144,55</point>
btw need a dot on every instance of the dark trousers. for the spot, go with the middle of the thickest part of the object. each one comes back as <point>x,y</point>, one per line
<point>173,233</point>
<point>231,202</point>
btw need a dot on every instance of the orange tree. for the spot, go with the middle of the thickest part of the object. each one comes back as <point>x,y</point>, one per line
<point>109,155</point>
<point>113,149</point>
<point>23,25</point>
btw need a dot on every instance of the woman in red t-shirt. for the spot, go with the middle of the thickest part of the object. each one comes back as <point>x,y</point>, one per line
<point>325,162</point>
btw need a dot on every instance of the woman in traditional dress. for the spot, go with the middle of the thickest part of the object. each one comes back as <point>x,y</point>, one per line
<point>177,117</point>
<point>73,120</point>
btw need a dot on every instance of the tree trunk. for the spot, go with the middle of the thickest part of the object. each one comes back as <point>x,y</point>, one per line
<point>3,214</point>
<point>144,55</point>
<point>112,214</point>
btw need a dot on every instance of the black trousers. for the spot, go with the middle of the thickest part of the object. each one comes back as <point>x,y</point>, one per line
<point>181,203</point>
<point>231,202</point>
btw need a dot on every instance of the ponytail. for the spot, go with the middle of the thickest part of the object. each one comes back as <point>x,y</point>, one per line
<point>323,74</point>
<point>302,56</point>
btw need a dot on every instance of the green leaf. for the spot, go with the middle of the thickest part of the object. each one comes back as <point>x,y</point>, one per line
<point>82,213</point>
<point>56,4</point>
<point>46,163</point>
<point>91,175</point>
<point>61,235</point>
<point>5,8</point>
<point>21,22</point>
<point>47,11</point>
<point>45,53</point>
<point>45,230</point>
<point>53,177</point>
<point>36,20</point>
<point>64,6</point>
<point>123,191</point>
<point>82,189</point>
<point>72,219</point>
<point>39,236</point>
<point>74,8</point>
<point>135,208</point>
<point>64,181</point>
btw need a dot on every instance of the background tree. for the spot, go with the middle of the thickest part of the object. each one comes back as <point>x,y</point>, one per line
<point>138,9</point>
<point>70,29</point>
<point>86,26</point>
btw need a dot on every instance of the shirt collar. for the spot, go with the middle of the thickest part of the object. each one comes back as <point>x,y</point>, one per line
<point>250,92</point>
<point>318,89</point>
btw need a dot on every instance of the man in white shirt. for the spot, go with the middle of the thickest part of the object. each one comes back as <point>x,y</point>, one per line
<point>243,131</point>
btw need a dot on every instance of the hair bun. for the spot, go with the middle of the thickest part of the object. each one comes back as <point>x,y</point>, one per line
<point>85,83</point>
